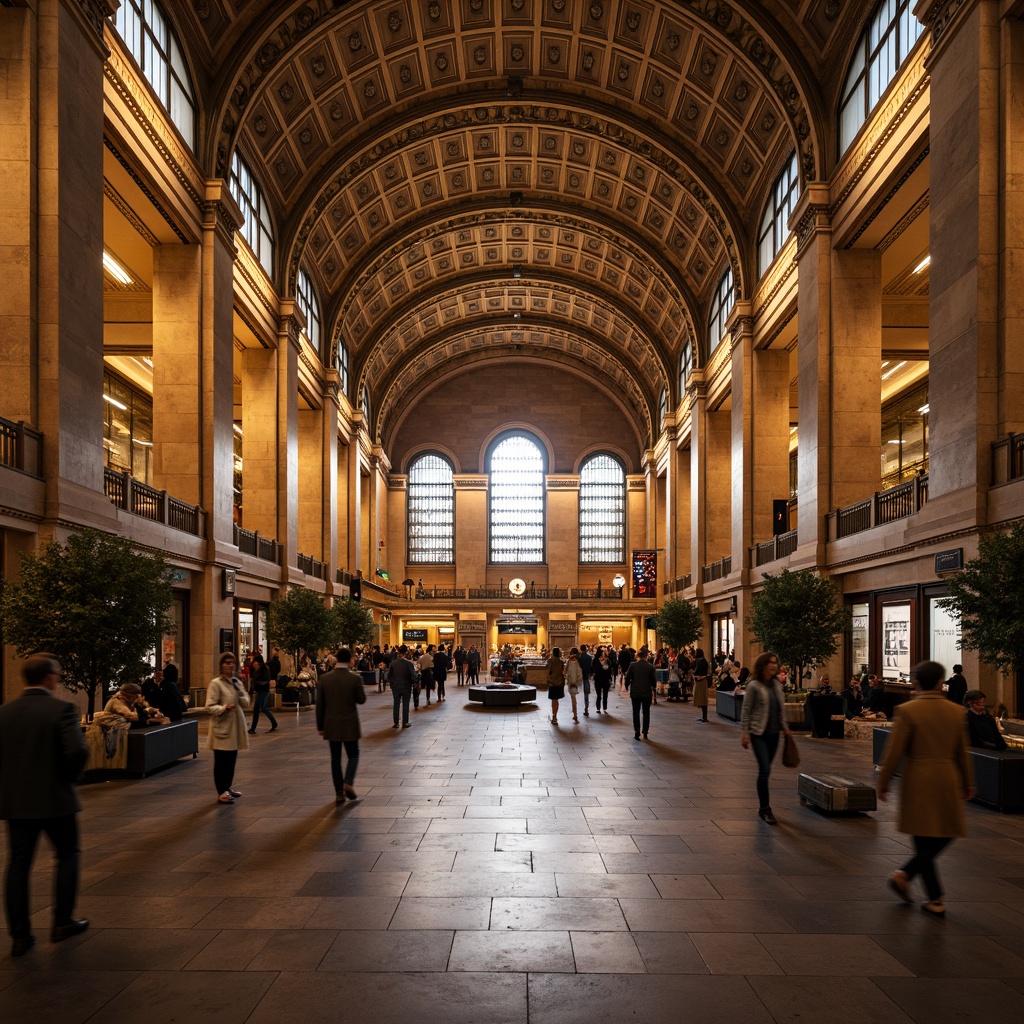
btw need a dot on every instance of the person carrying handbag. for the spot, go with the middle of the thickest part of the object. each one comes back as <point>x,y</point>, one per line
<point>762,722</point>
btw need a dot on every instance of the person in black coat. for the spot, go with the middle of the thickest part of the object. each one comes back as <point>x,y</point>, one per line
<point>956,687</point>
<point>641,681</point>
<point>42,750</point>
<point>982,728</point>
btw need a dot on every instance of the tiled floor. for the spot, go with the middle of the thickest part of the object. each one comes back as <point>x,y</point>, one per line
<point>496,868</point>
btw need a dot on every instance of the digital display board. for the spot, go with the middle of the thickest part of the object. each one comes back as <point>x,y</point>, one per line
<point>645,573</point>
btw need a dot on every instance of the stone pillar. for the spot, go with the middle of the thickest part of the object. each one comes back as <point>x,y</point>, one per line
<point>839,359</point>
<point>311,506</point>
<point>718,481</point>
<point>471,542</point>
<point>259,441</point>
<point>964,300</point>
<point>288,346</point>
<point>353,480</point>
<point>329,476</point>
<point>1011,254</point>
<point>742,417</point>
<point>563,530</point>
<point>678,508</point>
<point>698,472</point>
<point>636,523</point>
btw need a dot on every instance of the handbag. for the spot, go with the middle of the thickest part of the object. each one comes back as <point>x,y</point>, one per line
<point>790,753</point>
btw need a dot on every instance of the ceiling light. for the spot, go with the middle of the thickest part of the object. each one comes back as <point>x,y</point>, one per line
<point>517,316</point>
<point>115,270</point>
<point>237,429</point>
<point>898,442</point>
<point>921,266</point>
<point>924,409</point>
<point>898,366</point>
<point>115,403</point>
<point>144,444</point>
<point>148,361</point>
<point>517,271</point>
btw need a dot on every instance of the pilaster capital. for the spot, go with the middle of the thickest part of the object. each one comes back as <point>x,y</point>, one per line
<point>220,211</point>
<point>290,322</point>
<point>92,15</point>
<point>940,17</point>
<point>740,323</point>
<point>697,387</point>
<point>811,216</point>
<point>332,386</point>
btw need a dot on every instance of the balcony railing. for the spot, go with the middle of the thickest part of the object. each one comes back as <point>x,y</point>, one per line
<point>21,448</point>
<point>311,566</point>
<point>502,594</point>
<point>716,570</point>
<point>678,585</point>
<point>251,543</point>
<point>1008,459</point>
<point>772,550</point>
<point>882,507</point>
<point>140,499</point>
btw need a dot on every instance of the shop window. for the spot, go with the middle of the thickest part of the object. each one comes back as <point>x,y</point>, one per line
<point>905,437</point>
<point>721,307</point>
<point>430,509</point>
<point>236,489</point>
<point>860,637</point>
<point>127,429</point>
<point>887,41</point>
<point>146,32</point>
<point>305,296</point>
<point>257,230</point>
<point>516,469</point>
<point>775,222</point>
<point>602,523</point>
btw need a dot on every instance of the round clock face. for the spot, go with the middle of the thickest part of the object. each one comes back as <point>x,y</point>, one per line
<point>517,586</point>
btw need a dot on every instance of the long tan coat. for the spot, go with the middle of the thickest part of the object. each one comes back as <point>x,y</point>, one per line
<point>932,733</point>
<point>227,728</point>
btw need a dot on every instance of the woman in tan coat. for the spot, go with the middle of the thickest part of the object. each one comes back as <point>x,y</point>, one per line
<point>937,779</point>
<point>225,699</point>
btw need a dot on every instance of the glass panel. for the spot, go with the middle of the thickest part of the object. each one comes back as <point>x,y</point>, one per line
<point>896,641</point>
<point>517,501</point>
<point>431,510</point>
<point>127,429</point>
<point>859,635</point>
<point>944,629</point>
<point>602,510</point>
<point>307,300</point>
<point>256,230</point>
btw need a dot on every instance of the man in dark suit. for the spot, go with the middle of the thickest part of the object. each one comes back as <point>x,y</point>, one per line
<point>404,677</point>
<point>956,688</point>
<point>473,665</point>
<point>338,693</point>
<point>42,750</point>
<point>641,681</point>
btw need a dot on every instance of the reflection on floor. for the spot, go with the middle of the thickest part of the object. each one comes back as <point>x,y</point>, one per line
<point>497,868</point>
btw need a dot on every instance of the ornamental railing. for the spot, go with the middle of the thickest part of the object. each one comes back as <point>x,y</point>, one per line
<point>716,570</point>
<point>882,507</point>
<point>140,499</point>
<point>251,543</point>
<point>21,448</point>
<point>1008,459</point>
<point>772,550</point>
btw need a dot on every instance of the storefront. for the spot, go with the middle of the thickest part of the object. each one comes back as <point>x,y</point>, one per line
<point>605,632</point>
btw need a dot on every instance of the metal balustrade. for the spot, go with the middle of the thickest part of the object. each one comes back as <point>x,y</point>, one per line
<point>882,507</point>
<point>311,566</point>
<point>772,550</point>
<point>251,543</point>
<point>131,495</point>
<point>21,448</point>
<point>1008,459</point>
<point>716,570</point>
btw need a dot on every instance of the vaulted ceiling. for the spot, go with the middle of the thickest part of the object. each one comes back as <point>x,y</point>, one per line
<point>471,179</point>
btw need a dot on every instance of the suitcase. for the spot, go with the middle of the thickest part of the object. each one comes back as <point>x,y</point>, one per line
<point>835,793</point>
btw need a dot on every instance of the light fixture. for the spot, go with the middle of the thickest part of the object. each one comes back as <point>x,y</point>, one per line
<point>921,266</point>
<point>148,361</point>
<point>237,429</point>
<point>144,444</point>
<point>924,409</point>
<point>115,403</point>
<point>618,581</point>
<point>899,441</point>
<point>517,271</point>
<point>898,366</point>
<point>517,316</point>
<point>115,270</point>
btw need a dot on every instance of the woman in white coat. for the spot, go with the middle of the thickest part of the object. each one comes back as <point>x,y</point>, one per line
<point>225,700</point>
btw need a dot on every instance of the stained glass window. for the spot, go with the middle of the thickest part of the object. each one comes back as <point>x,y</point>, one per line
<point>602,510</point>
<point>517,501</point>
<point>430,499</point>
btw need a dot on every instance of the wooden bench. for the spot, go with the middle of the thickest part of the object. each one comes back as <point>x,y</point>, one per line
<point>998,774</point>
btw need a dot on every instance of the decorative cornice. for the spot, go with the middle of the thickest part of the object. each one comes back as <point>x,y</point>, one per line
<point>940,16</point>
<point>470,483</point>
<point>129,214</point>
<point>811,216</point>
<point>889,196</point>
<point>93,14</point>
<point>221,212</point>
<point>144,188</point>
<point>557,483</point>
<point>781,270</point>
<point>905,221</point>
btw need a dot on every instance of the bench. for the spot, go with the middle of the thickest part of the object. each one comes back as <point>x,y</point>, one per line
<point>998,774</point>
<point>835,794</point>
<point>729,705</point>
<point>160,745</point>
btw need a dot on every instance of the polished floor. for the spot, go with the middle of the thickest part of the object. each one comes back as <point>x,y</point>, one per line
<point>496,868</point>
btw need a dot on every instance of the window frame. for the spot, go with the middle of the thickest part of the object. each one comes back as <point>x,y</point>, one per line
<point>582,529</point>
<point>141,35</point>
<point>309,303</point>
<point>774,231</point>
<point>258,228</point>
<point>722,304</point>
<point>422,457</point>
<point>882,49</point>
<point>685,366</point>
<point>542,493</point>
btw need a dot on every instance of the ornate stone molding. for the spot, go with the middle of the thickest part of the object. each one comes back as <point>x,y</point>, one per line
<point>775,280</point>
<point>144,188</point>
<point>129,214</point>
<point>93,15</point>
<point>470,483</point>
<point>889,196</point>
<point>940,15</point>
<point>811,216</point>
<point>560,483</point>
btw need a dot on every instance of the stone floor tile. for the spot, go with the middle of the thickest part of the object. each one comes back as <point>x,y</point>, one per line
<point>949,1000</point>
<point>481,883</point>
<point>832,956</point>
<point>67,997</point>
<point>606,953</point>
<point>356,952</point>
<point>442,912</point>
<point>669,953</point>
<point>685,887</point>
<point>591,884</point>
<point>512,951</point>
<point>298,950</point>
<point>965,956</point>
<point>732,953</point>
<point>797,1000</point>
<point>266,912</point>
<point>713,915</point>
<point>564,913</point>
<point>359,883</point>
<point>468,861</point>
<point>353,913</point>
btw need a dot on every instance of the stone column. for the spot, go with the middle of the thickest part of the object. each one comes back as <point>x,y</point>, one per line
<point>329,476</point>
<point>288,345</point>
<point>698,468</point>
<point>964,299</point>
<point>839,358</point>
<point>259,441</point>
<point>471,543</point>
<point>563,530</point>
<point>679,508</point>
<point>742,453</point>
<point>718,482</point>
<point>1011,254</point>
<point>312,509</point>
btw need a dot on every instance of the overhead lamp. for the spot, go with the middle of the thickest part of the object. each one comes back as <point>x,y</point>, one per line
<point>517,316</point>
<point>618,581</point>
<point>517,271</point>
<point>115,403</point>
<point>921,266</point>
<point>924,410</point>
<point>237,429</point>
<point>143,444</point>
<point>898,366</point>
<point>115,270</point>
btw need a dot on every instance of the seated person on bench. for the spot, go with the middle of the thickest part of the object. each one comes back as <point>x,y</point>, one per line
<point>982,728</point>
<point>130,705</point>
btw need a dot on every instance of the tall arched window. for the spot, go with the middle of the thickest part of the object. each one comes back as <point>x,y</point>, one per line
<point>306,298</point>
<point>662,408</point>
<point>516,468</point>
<point>774,224</point>
<point>602,510</point>
<point>148,35</point>
<point>364,404</point>
<point>430,508</point>
<point>341,361</point>
<point>685,366</point>
<point>258,230</point>
<point>890,36</point>
<point>721,307</point>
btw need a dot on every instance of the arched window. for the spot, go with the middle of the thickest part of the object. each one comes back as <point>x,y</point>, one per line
<point>257,230</point>
<point>364,404</point>
<point>774,224</point>
<point>882,49</point>
<point>685,366</point>
<point>341,361</point>
<point>662,408</point>
<point>305,296</point>
<point>721,307</point>
<point>516,468</point>
<point>430,508</point>
<point>602,510</point>
<point>144,28</point>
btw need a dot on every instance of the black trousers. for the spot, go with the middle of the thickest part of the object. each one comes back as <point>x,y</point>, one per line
<point>645,703</point>
<point>224,769</point>
<point>24,835</point>
<point>259,703</point>
<point>352,752</point>
<point>602,695</point>
<point>403,700</point>
<point>926,849</point>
